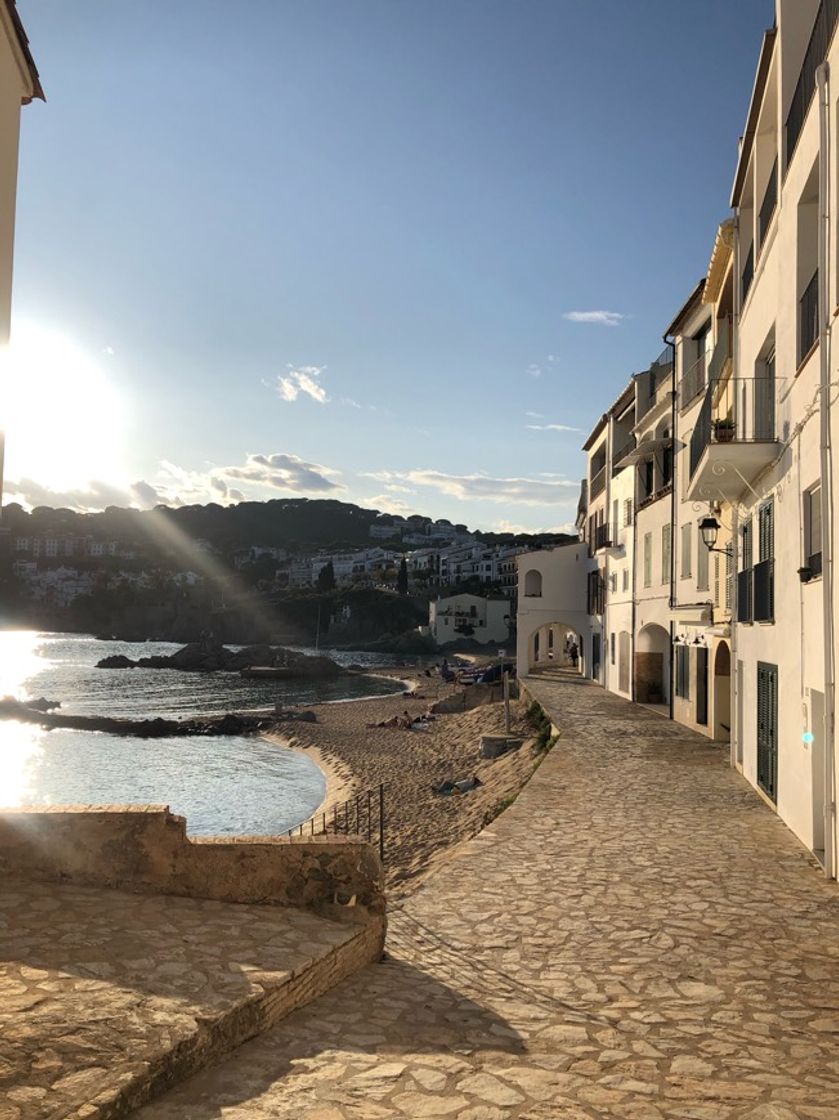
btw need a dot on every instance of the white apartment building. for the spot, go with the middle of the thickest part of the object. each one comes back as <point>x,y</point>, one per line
<point>734,601</point>
<point>460,617</point>
<point>552,585</point>
<point>19,85</point>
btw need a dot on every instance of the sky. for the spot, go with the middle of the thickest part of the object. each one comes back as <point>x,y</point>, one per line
<point>397,252</point>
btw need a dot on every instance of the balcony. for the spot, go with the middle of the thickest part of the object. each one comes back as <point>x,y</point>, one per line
<point>598,483</point>
<point>602,537</point>
<point>815,55</point>
<point>735,438</point>
<point>718,367</point>
<point>770,202</point>
<point>808,318</point>
<point>621,453</point>
<point>693,382</point>
<point>748,274</point>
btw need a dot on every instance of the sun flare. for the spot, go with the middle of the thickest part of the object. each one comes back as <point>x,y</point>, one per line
<point>62,415</point>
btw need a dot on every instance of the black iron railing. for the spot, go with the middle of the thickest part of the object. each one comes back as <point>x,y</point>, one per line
<point>770,201</point>
<point>621,453</point>
<point>808,318</point>
<point>748,274</point>
<point>815,55</point>
<point>602,537</point>
<point>722,352</point>
<point>598,483</point>
<point>693,382</point>
<point>739,410</point>
<point>362,816</point>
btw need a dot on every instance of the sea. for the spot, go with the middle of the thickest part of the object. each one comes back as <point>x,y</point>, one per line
<point>222,784</point>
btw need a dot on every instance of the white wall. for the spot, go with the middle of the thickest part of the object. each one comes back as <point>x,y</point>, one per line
<point>562,599</point>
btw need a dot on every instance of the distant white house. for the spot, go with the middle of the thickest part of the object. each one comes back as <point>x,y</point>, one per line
<point>552,606</point>
<point>472,617</point>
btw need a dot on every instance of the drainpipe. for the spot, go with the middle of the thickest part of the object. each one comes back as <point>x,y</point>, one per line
<point>672,344</point>
<point>736,752</point>
<point>826,455</point>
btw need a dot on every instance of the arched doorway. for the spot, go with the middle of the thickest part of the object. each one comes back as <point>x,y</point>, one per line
<point>722,693</point>
<point>652,665</point>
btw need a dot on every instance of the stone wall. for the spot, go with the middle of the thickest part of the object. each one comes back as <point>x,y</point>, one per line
<point>145,849</point>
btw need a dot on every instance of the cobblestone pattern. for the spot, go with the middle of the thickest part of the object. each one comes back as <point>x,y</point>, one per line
<point>105,995</point>
<point>638,938</point>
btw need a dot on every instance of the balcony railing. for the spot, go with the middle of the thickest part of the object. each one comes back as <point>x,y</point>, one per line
<point>602,537</point>
<point>770,201</point>
<point>808,318</point>
<point>739,410</point>
<point>693,382</point>
<point>598,483</point>
<point>621,452</point>
<point>748,274</point>
<point>825,24</point>
<point>722,352</point>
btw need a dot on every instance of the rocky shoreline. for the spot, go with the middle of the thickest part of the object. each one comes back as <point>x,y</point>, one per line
<point>211,657</point>
<point>231,723</point>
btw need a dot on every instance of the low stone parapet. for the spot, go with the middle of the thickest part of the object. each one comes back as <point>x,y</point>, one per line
<point>145,849</point>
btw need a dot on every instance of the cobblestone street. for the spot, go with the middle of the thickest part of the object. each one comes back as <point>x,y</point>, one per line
<point>638,937</point>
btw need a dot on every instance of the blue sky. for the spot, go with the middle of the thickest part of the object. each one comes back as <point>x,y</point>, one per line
<point>328,248</point>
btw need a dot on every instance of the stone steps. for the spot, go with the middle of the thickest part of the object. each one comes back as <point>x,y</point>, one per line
<point>109,998</point>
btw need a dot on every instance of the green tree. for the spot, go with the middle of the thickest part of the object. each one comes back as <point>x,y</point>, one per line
<point>402,578</point>
<point>326,577</point>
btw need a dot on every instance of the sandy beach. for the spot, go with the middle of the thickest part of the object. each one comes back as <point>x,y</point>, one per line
<point>421,826</point>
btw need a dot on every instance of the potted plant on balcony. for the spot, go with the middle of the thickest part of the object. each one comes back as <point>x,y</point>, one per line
<point>723,429</point>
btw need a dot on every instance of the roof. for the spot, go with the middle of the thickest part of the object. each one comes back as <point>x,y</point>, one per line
<point>595,432</point>
<point>747,142</point>
<point>686,308</point>
<point>23,44</point>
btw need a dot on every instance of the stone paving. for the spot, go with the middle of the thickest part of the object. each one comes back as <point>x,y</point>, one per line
<point>638,937</point>
<point>104,992</point>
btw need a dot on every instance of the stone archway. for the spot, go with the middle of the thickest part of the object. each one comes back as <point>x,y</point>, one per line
<point>722,693</point>
<point>549,647</point>
<point>652,665</point>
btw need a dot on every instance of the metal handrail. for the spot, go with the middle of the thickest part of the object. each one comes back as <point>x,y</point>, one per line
<point>598,483</point>
<point>366,811</point>
<point>805,88</point>
<point>693,382</point>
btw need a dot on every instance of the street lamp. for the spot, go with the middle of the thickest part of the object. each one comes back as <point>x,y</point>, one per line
<point>709,527</point>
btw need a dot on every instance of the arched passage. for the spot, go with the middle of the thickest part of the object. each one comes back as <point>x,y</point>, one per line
<point>722,692</point>
<point>652,665</point>
<point>552,646</point>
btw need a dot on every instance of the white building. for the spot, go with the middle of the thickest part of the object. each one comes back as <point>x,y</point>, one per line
<point>551,605</point>
<point>469,617</point>
<point>19,85</point>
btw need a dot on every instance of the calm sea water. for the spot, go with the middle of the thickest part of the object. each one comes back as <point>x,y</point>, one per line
<point>223,785</point>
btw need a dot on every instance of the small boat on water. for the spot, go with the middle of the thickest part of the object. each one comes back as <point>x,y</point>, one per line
<point>272,672</point>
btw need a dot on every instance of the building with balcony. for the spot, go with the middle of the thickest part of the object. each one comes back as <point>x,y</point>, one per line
<point>469,617</point>
<point>551,606</point>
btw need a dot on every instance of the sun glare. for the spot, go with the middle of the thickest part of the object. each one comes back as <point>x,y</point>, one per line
<point>63,417</point>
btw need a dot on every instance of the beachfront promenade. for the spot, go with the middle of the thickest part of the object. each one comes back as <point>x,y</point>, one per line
<point>637,937</point>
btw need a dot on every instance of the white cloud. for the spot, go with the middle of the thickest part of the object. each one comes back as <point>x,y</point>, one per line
<point>503,526</point>
<point>387,504</point>
<point>96,495</point>
<point>599,318</point>
<point>535,415</point>
<point>281,471</point>
<point>553,428</point>
<point>350,402</point>
<point>486,488</point>
<point>302,379</point>
<point>534,370</point>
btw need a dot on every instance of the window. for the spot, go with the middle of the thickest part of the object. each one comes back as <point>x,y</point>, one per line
<point>702,555</point>
<point>613,582</point>
<point>612,648</point>
<point>686,557</point>
<point>627,512</point>
<point>615,521</point>
<point>683,672</point>
<point>533,584</point>
<point>764,570</point>
<point>813,530</point>
<point>648,559</point>
<point>666,460</point>
<point>625,581</point>
<point>665,553</point>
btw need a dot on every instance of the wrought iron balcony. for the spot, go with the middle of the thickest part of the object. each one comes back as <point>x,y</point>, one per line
<point>694,381</point>
<point>603,537</point>
<point>770,201</point>
<point>598,483</point>
<point>748,274</point>
<point>722,354</point>
<point>808,318</point>
<point>735,437</point>
<point>621,453</point>
<point>815,55</point>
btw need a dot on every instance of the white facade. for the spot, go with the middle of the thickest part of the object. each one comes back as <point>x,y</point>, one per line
<point>551,605</point>
<point>19,84</point>
<point>472,617</point>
